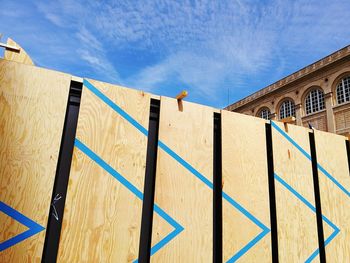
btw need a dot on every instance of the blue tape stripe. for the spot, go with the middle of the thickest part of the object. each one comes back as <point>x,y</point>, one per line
<point>81,146</point>
<point>245,212</point>
<point>16,239</point>
<point>317,251</point>
<point>324,171</point>
<point>326,242</point>
<point>185,164</point>
<point>308,156</point>
<point>308,204</point>
<point>332,236</point>
<point>98,160</point>
<point>248,246</point>
<point>168,218</point>
<point>312,256</point>
<point>34,228</point>
<point>342,188</point>
<point>294,192</point>
<point>178,229</point>
<point>115,107</point>
<point>285,135</point>
<point>190,168</point>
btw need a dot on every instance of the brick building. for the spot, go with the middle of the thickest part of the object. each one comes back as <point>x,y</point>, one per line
<point>318,94</point>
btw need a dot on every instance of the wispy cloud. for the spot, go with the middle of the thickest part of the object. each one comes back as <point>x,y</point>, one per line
<point>91,50</point>
<point>206,46</point>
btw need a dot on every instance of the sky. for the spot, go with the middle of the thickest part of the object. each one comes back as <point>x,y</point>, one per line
<point>219,51</point>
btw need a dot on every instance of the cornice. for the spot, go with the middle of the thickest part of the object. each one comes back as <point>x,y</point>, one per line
<point>336,56</point>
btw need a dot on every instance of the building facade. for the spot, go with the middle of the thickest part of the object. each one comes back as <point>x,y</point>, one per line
<point>318,94</point>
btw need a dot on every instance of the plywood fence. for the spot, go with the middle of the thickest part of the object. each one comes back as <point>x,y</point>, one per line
<point>216,185</point>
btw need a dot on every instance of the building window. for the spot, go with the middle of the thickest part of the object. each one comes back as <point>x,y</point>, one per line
<point>287,109</point>
<point>314,101</point>
<point>343,90</point>
<point>264,113</point>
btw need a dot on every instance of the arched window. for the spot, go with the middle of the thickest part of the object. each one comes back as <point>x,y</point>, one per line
<point>264,113</point>
<point>314,101</point>
<point>287,109</point>
<point>343,90</point>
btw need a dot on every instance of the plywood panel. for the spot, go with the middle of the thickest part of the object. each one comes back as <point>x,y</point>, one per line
<point>184,181</point>
<point>32,110</point>
<point>295,201</point>
<point>21,56</point>
<point>334,180</point>
<point>102,218</point>
<point>246,225</point>
<point>10,227</point>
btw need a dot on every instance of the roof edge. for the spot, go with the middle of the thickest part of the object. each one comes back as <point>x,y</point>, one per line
<point>319,64</point>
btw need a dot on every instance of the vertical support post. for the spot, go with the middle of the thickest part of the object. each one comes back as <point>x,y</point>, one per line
<point>328,97</point>
<point>347,144</point>
<point>217,191</point>
<point>54,224</point>
<point>298,114</point>
<point>272,193</point>
<point>150,180</point>
<point>317,198</point>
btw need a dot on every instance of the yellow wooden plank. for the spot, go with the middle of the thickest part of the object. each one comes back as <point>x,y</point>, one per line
<point>9,227</point>
<point>245,179</point>
<point>102,218</point>
<point>334,180</point>
<point>95,227</point>
<point>33,102</point>
<point>21,56</point>
<point>296,222</point>
<point>185,197</point>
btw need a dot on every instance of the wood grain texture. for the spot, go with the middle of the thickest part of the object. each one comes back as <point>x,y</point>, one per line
<point>102,218</point>
<point>245,179</point>
<point>21,57</point>
<point>335,203</point>
<point>182,195</point>
<point>33,102</point>
<point>296,223</point>
<point>10,227</point>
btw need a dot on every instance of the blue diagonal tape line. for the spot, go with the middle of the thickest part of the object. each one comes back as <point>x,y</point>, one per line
<point>33,227</point>
<point>98,160</point>
<point>264,232</point>
<point>187,166</point>
<point>190,168</point>
<point>115,107</point>
<point>326,173</point>
<point>308,156</point>
<point>309,205</point>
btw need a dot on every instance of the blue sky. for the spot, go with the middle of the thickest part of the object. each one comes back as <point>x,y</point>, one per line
<point>210,48</point>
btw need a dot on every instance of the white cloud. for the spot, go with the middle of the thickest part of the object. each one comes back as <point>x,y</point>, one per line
<point>204,44</point>
<point>92,51</point>
<point>100,63</point>
<point>88,39</point>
